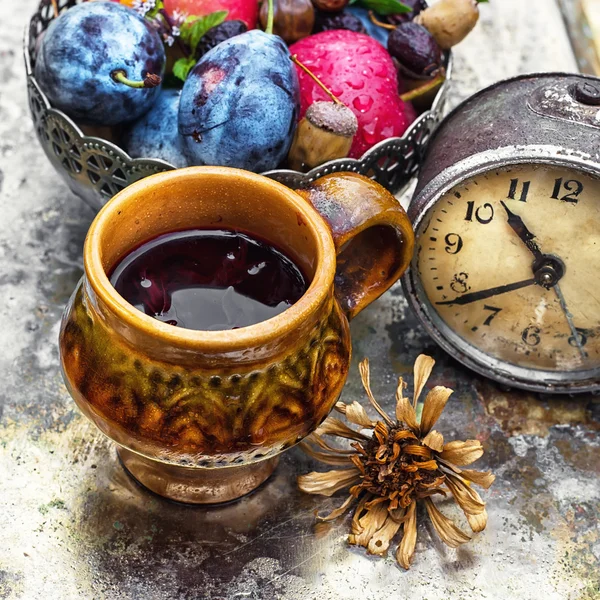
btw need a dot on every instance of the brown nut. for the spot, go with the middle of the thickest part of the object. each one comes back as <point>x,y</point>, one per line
<point>449,21</point>
<point>325,133</point>
<point>330,5</point>
<point>292,19</point>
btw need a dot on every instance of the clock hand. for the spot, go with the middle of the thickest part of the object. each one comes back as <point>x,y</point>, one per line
<point>569,318</point>
<point>516,224</point>
<point>495,291</point>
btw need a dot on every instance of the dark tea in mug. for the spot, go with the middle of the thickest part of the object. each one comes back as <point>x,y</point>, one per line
<point>209,279</point>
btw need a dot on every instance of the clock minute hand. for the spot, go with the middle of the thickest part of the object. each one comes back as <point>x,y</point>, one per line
<point>483,294</point>
<point>516,224</point>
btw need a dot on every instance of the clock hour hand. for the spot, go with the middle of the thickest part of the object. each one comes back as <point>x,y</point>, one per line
<point>483,294</point>
<point>516,224</point>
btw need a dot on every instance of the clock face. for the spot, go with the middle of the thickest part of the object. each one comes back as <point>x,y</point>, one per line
<point>508,267</point>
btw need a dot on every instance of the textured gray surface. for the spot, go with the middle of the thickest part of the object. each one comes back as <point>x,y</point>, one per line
<point>73,525</point>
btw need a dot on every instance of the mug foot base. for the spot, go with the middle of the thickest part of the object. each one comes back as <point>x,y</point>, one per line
<point>196,486</point>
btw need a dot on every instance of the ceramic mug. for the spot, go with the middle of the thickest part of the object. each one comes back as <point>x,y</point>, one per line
<point>201,416</point>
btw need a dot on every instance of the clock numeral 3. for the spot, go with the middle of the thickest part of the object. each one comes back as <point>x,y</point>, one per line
<point>582,338</point>
<point>531,335</point>
<point>454,243</point>
<point>514,187</point>
<point>572,186</point>
<point>484,214</point>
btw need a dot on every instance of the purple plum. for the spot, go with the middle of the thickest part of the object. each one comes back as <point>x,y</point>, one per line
<point>101,63</point>
<point>155,134</point>
<point>240,104</point>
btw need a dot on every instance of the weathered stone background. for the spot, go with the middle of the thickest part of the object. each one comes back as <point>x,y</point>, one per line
<point>73,525</point>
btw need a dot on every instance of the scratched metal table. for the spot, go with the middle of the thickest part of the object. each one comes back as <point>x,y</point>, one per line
<point>74,525</point>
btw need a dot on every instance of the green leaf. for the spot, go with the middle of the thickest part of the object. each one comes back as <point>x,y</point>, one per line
<point>183,66</point>
<point>385,7</point>
<point>194,28</point>
<point>158,6</point>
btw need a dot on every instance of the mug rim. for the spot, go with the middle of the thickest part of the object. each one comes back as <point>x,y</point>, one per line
<point>257,334</point>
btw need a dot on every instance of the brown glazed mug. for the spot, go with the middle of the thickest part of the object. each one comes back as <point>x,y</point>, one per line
<point>201,416</point>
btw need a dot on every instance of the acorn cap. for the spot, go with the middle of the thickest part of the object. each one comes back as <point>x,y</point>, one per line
<point>335,118</point>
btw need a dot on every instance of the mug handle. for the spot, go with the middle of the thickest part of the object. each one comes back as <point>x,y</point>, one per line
<point>373,236</point>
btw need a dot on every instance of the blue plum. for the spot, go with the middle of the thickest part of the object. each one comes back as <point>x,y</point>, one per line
<point>240,104</point>
<point>86,49</point>
<point>155,134</point>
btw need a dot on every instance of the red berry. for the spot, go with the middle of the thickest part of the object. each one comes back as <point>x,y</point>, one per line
<point>360,72</point>
<point>239,10</point>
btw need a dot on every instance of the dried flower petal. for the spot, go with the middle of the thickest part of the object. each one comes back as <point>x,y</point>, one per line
<point>422,370</point>
<point>405,412</point>
<point>369,524</point>
<point>380,542</point>
<point>333,426</point>
<point>434,440</point>
<point>363,367</point>
<point>339,460</point>
<point>434,404</point>
<point>481,478</point>
<point>450,534</point>
<point>339,511</point>
<point>356,414</point>
<point>406,549</point>
<point>468,499</point>
<point>462,453</point>
<point>327,484</point>
<point>319,441</point>
<point>477,522</point>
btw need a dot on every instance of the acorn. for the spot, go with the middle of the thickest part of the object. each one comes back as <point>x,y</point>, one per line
<point>325,133</point>
<point>449,21</point>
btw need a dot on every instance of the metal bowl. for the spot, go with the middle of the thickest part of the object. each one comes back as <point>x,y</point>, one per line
<point>96,169</point>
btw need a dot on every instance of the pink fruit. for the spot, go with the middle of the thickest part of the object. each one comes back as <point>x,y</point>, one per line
<point>243,10</point>
<point>360,72</point>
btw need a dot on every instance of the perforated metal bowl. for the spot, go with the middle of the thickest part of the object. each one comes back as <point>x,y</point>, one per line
<point>96,169</point>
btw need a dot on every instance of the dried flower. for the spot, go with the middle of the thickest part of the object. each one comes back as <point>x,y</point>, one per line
<point>402,461</point>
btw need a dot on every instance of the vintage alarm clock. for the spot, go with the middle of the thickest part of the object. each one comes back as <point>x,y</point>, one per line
<point>506,272</point>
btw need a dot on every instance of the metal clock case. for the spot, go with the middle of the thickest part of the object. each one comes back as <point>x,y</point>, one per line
<point>506,276</point>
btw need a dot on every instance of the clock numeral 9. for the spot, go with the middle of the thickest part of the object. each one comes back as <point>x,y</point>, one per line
<point>572,185</point>
<point>484,214</point>
<point>454,243</point>
<point>531,335</point>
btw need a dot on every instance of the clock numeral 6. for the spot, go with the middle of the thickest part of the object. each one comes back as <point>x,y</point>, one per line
<point>454,243</point>
<point>484,214</point>
<point>572,185</point>
<point>531,335</point>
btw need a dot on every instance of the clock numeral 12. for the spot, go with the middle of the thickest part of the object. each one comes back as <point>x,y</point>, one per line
<point>572,185</point>
<point>514,188</point>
